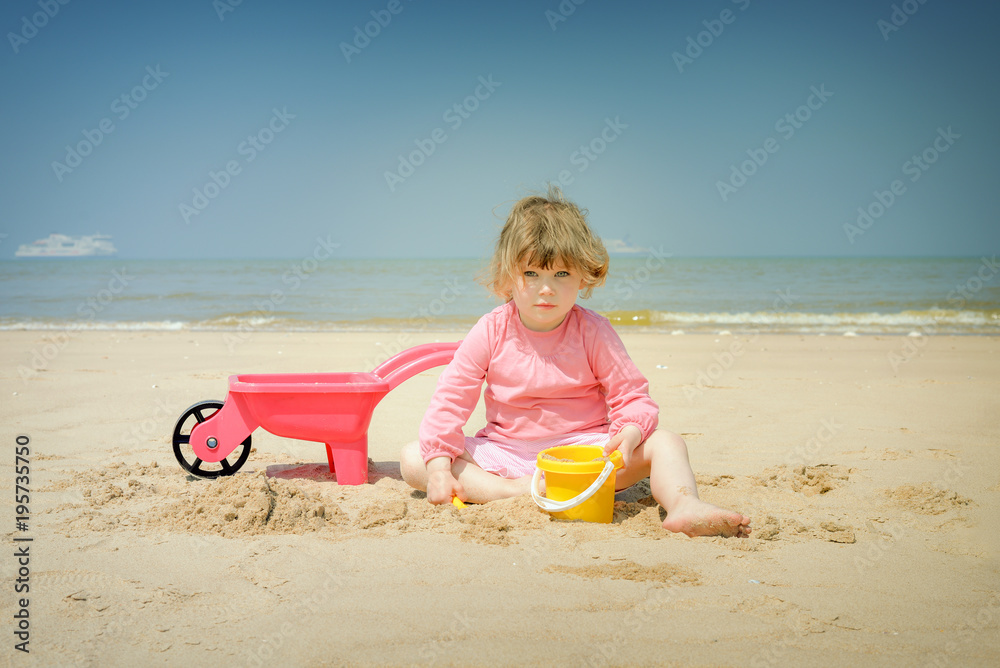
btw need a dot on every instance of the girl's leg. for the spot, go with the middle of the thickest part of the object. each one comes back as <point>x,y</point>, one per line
<point>480,486</point>
<point>664,458</point>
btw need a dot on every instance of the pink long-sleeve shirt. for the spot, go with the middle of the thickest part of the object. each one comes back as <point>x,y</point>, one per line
<point>576,378</point>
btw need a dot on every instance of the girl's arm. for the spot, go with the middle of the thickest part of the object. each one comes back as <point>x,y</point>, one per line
<point>627,390</point>
<point>456,396</point>
<point>627,439</point>
<point>441,482</point>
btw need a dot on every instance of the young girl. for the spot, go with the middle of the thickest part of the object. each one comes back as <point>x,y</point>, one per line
<point>556,374</point>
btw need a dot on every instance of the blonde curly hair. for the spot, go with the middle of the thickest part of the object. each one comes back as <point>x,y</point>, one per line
<point>542,232</point>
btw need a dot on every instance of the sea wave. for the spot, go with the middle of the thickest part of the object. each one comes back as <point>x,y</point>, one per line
<point>929,322</point>
<point>932,321</point>
<point>249,323</point>
<point>93,325</point>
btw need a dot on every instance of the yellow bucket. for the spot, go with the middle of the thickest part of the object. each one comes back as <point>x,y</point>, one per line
<point>579,482</point>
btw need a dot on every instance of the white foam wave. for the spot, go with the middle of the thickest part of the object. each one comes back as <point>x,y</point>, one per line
<point>95,326</point>
<point>906,322</point>
<point>834,321</point>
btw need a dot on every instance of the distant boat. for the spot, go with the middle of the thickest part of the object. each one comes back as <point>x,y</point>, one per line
<point>60,245</point>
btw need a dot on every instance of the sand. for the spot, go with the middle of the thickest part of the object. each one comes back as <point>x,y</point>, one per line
<point>869,465</point>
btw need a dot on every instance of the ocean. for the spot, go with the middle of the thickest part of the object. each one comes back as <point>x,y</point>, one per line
<point>650,293</point>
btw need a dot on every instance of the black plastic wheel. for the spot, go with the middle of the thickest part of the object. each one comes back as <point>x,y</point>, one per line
<point>200,412</point>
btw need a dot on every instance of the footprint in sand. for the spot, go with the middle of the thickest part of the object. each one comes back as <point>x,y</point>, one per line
<point>714,480</point>
<point>809,480</point>
<point>381,513</point>
<point>629,570</point>
<point>774,528</point>
<point>925,499</point>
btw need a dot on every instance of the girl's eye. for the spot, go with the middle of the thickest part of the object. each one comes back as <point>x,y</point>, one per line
<point>530,273</point>
<point>562,273</point>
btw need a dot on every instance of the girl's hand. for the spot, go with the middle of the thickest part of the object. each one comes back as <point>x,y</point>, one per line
<point>441,483</point>
<point>626,440</point>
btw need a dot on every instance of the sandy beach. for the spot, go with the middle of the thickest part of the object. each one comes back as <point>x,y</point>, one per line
<point>869,465</point>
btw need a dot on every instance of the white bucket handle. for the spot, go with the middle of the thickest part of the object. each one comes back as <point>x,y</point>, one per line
<point>551,506</point>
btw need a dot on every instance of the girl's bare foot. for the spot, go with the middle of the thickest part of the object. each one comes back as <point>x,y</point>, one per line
<point>694,517</point>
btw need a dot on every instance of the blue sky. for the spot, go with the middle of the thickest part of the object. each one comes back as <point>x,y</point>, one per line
<point>831,103</point>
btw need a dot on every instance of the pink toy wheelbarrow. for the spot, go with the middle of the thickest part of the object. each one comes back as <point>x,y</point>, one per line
<point>212,438</point>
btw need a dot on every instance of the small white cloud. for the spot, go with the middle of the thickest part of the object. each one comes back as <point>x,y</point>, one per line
<point>623,246</point>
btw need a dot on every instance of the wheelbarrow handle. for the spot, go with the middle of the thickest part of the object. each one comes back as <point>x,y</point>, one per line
<point>412,361</point>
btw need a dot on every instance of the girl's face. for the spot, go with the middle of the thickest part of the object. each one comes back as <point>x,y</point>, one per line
<point>544,296</point>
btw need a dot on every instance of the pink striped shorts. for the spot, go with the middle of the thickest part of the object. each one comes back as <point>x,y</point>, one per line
<point>515,458</point>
